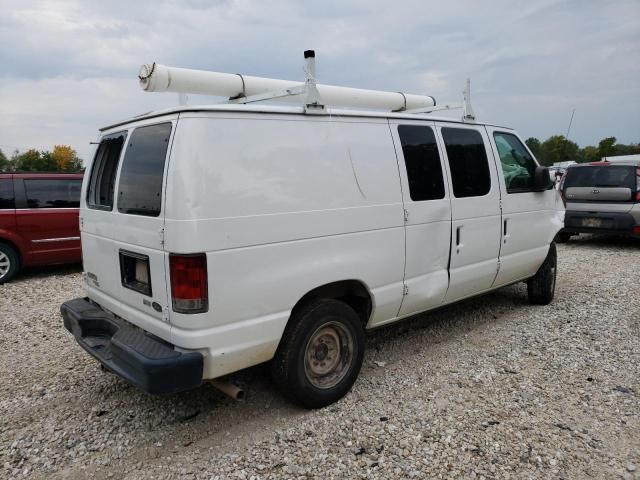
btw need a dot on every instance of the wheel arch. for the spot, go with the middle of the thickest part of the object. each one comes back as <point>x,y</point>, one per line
<point>353,292</point>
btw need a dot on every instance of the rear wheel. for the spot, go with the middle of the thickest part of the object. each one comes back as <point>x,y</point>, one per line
<point>542,286</point>
<point>320,354</point>
<point>9,263</point>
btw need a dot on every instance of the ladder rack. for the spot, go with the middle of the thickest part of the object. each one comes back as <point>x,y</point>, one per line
<point>242,89</point>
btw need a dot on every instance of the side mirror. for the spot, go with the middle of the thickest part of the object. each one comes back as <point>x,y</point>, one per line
<point>542,180</point>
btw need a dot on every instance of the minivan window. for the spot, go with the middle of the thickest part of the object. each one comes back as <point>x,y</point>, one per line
<point>421,158</point>
<point>53,193</point>
<point>140,188</point>
<point>7,200</point>
<point>468,162</point>
<point>601,176</point>
<point>103,173</point>
<point>518,166</point>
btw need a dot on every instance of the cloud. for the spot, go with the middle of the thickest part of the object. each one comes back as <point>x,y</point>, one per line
<point>69,67</point>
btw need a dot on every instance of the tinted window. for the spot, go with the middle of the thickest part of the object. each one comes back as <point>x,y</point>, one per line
<point>53,193</point>
<point>423,162</point>
<point>7,200</point>
<point>518,166</point>
<point>467,161</point>
<point>601,176</point>
<point>103,173</point>
<point>140,189</point>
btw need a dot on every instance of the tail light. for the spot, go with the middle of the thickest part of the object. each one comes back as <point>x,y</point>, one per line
<point>636,230</point>
<point>189,291</point>
<point>637,184</point>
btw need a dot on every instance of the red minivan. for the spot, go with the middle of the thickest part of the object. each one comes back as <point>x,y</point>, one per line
<point>38,220</point>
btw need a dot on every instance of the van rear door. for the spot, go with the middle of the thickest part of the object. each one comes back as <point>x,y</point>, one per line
<point>123,224</point>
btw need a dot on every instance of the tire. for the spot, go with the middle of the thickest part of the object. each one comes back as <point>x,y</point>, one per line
<point>542,286</point>
<point>563,237</point>
<point>9,263</point>
<point>303,367</point>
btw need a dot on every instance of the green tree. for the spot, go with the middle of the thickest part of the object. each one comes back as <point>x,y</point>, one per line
<point>534,145</point>
<point>558,149</point>
<point>5,163</point>
<point>606,147</point>
<point>33,160</point>
<point>590,154</point>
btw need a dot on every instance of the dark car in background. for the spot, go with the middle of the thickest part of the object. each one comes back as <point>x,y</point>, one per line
<point>38,220</point>
<point>601,197</point>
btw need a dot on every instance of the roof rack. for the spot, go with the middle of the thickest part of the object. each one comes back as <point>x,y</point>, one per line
<point>243,89</point>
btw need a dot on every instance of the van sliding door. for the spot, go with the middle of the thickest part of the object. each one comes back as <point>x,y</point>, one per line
<point>428,215</point>
<point>475,208</point>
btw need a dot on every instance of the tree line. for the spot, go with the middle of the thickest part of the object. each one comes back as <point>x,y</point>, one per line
<point>560,149</point>
<point>62,158</point>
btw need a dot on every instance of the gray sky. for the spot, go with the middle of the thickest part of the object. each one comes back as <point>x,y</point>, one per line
<point>69,67</point>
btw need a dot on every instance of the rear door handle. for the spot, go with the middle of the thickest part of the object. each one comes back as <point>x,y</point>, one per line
<point>459,244</point>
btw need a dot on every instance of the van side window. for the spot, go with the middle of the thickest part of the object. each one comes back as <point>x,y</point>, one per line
<point>140,188</point>
<point>518,166</point>
<point>103,173</point>
<point>421,158</point>
<point>7,200</point>
<point>467,161</point>
<point>53,193</point>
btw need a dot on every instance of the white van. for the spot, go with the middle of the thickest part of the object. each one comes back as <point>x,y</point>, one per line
<point>219,237</point>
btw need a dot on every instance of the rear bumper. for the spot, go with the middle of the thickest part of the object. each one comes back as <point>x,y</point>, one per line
<point>609,222</point>
<point>143,360</point>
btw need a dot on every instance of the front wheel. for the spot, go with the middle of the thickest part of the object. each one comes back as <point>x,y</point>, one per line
<point>9,263</point>
<point>542,286</point>
<point>320,354</point>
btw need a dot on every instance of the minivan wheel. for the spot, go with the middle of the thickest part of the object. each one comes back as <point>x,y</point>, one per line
<point>9,263</point>
<point>320,354</point>
<point>542,286</point>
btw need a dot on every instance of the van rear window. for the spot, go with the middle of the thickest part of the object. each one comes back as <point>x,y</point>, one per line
<point>7,200</point>
<point>140,188</point>
<point>601,176</point>
<point>103,173</point>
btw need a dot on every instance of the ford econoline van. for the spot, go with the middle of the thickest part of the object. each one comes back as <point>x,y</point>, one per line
<point>220,237</point>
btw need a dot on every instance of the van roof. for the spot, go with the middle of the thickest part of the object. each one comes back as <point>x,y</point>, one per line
<point>292,110</point>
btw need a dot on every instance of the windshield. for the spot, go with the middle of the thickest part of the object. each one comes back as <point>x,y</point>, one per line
<point>601,176</point>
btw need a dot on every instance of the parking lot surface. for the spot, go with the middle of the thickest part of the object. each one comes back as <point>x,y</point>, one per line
<point>492,387</point>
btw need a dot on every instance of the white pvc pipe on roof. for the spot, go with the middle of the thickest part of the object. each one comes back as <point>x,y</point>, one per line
<point>160,78</point>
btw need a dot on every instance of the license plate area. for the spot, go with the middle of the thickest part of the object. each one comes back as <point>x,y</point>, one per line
<point>592,222</point>
<point>134,272</point>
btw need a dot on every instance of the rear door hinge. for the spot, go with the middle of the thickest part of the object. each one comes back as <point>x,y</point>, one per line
<point>161,234</point>
<point>405,290</point>
<point>406,215</point>
<point>165,314</point>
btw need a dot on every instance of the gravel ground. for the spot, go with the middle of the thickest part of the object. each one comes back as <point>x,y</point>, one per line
<point>489,388</point>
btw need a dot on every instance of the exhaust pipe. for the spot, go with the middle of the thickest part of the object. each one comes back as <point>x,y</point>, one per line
<point>229,389</point>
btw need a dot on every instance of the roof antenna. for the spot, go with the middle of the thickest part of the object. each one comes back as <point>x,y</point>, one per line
<point>467,113</point>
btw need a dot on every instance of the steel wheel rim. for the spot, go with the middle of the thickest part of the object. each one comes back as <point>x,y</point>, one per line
<point>328,355</point>
<point>5,264</point>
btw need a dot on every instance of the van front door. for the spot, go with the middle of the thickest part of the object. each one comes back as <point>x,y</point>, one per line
<point>475,209</point>
<point>529,219</point>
